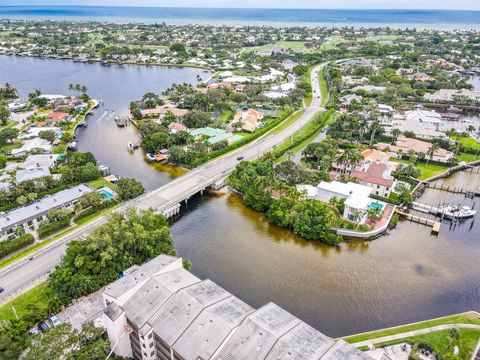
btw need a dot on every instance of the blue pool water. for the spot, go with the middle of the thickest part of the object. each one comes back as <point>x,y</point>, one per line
<point>106,194</point>
<point>375,206</point>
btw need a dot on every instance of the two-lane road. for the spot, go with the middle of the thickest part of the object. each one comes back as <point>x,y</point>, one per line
<point>16,277</point>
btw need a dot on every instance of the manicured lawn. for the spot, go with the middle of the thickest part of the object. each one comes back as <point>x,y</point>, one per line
<point>226,116</point>
<point>100,183</point>
<point>440,340</point>
<point>298,45</point>
<point>468,142</point>
<point>467,157</point>
<point>323,88</point>
<point>428,170</point>
<point>289,121</point>
<point>35,300</point>
<point>466,318</point>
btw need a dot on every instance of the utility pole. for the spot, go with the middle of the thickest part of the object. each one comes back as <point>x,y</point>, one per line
<point>15,312</point>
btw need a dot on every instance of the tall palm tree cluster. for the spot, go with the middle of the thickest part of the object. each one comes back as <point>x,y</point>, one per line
<point>78,89</point>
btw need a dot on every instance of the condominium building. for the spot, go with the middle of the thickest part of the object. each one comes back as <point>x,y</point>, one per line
<point>161,311</point>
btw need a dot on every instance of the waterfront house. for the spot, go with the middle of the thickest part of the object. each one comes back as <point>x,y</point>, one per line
<point>28,218</point>
<point>424,124</point>
<point>404,145</point>
<point>220,85</point>
<point>175,127</point>
<point>214,135</point>
<point>376,176</point>
<point>58,116</point>
<point>357,197</point>
<point>172,314</point>
<point>452,94</point>
<point>162,111</point>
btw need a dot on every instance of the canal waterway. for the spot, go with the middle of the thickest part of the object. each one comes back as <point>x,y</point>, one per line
<point>116,86</point>
<point>407,275</point>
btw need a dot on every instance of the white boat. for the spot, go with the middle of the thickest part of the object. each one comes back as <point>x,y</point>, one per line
<point>458,212</point>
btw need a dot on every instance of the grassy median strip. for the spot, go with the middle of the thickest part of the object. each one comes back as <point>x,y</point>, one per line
<point>466,318</point>
<point>304,135</point>
<point>286,123</point>
<point>323,88</point>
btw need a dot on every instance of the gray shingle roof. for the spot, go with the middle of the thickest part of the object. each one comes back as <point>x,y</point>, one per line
<point>302,342</point>
<point>207,332</point>
<point>155,293</point>
<point>257,335</point>
<point>179,312</point>
<point>42,206</point>
<point>142,274</point>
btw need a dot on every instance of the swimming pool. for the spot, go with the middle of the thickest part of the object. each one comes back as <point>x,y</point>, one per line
<point>375,205</point>
<point>106,194</point>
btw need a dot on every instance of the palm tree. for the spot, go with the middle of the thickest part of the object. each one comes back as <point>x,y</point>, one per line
<point>362,126</point>
<point>375,126</point>
<point>396,133</point>
<point>373,213</point>
<point>432,150</point>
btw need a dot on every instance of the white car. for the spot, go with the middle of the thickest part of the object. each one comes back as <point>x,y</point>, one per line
<point>54,320</point>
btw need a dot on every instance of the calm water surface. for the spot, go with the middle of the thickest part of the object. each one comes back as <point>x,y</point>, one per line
<point>407,275</point>
<point>116,85</point>
<point>274,17</point>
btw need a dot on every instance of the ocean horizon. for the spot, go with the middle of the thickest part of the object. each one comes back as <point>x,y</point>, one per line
<point>434,19</point>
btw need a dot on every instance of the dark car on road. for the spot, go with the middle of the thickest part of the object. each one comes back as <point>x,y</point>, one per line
<point>43,326</point>
<point>240,158</point>
<point>1,290</point>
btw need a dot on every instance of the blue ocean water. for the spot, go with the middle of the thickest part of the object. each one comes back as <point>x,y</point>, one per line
<point>304,17</point>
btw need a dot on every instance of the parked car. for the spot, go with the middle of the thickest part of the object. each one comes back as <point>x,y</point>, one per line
<point>54,320</point>
<point>43,326</point>
<point>1,290</point>
<point>33,331</point>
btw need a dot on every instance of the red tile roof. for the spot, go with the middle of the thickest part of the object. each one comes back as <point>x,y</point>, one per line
<point>57,116</point>
<point>177,126</point>
<point>373,175</point>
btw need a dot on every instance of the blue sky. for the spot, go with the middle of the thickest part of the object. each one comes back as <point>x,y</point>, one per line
<point>349,4</point>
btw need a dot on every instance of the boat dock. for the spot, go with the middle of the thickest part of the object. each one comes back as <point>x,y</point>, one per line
<point>435,225</point>
<point>453,189</point>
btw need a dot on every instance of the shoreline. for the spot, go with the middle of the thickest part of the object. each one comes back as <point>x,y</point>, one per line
<point>107,62</point>
<point>172,16</point>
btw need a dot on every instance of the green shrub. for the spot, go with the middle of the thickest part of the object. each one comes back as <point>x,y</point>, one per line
<point>9,246</point>
<point>394,221</point>
<point>52,228</point>
<point>94,209</point>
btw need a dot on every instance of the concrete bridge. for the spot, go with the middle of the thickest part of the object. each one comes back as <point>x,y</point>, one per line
<point>19,276</point>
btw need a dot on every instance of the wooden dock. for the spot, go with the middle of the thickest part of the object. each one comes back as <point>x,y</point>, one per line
<point>435,225</point>
<point>453,189</point>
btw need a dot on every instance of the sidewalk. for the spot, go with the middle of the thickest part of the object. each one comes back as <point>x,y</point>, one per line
<point>408,334</point>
